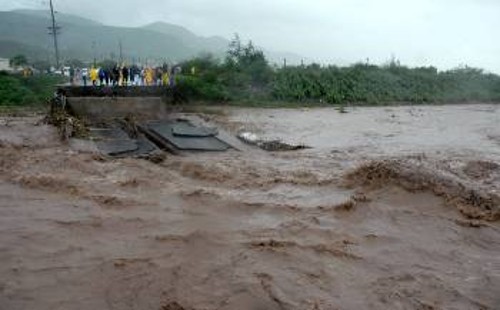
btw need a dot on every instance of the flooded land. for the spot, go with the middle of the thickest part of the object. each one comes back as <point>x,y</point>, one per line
<point>389,208</point>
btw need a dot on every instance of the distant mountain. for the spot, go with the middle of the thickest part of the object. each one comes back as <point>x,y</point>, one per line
<point>9,49</point>
<point>213,44</point>
<point>26,32</point>
<point>64,18</point>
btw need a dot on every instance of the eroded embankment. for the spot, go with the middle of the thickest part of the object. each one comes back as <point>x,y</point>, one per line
<point>467,186</point>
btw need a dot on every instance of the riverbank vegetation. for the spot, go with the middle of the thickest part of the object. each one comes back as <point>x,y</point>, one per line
<point>18,90</point>
<point>246,76</point>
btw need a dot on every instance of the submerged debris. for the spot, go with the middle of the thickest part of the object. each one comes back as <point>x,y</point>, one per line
<point>156,157</point>
<point>67,125</point>
<point>173,306</point>
<point>129,125</point>
<point>116,142</point>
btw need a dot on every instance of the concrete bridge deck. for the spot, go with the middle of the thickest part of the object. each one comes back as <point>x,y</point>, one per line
<point>97,103</point>
<point>114,91</point>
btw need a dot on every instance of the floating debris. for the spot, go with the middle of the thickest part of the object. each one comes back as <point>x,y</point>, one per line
<point>269,145</point>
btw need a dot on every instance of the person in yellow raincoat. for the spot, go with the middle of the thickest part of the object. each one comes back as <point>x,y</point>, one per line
<point>165,78</point>
<point>94,74</point>
<point>149,76</point>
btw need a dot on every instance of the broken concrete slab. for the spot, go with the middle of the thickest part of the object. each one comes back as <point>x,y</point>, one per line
<point>192,139</point>
<point>117,147</point>
<point>115,142</point>
<point>108,134</point>
<point>186,129</point>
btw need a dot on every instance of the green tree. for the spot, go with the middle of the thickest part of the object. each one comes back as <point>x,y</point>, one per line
<point>246,65</point>
<point>18,61</point>
<point>234,50</point>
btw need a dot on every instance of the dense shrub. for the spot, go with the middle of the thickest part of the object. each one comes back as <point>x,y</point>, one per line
<point>18,90</point>
<point>388,84</point>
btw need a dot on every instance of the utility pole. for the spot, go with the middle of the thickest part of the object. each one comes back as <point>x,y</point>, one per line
<point>121,52</point>
<point>95,53</point>
<point>54,31</point>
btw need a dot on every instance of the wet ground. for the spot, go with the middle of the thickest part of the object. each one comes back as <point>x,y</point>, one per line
<point>391,208</point>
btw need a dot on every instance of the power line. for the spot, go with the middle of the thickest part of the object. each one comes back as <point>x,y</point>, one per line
<point>54,31</point>
<point>121,51</point>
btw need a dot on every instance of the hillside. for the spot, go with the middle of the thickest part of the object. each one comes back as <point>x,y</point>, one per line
<point>216,45</point>
<point>79,37</point>
<point>25,31</point>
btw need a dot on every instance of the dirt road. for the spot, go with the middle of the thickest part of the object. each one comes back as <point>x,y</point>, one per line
<point>392,208</point>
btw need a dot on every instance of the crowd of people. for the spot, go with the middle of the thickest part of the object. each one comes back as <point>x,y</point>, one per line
<point>125,76</point>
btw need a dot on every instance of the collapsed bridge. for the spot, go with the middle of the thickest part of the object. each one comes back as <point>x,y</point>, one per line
<point>136,121</point>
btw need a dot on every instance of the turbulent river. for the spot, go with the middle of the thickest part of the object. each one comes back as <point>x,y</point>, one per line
<point>389,208</point>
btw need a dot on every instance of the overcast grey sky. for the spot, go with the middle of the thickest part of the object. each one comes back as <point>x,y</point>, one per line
<point>444,33</point>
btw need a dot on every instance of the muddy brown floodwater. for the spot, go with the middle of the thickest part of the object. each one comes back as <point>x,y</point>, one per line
<point>391,208</point>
